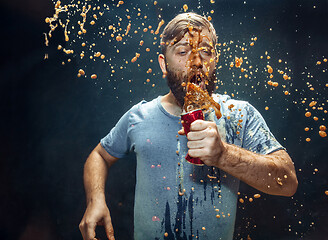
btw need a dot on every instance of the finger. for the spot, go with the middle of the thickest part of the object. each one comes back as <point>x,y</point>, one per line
<point>83,230</point>
<point>81,227</point>
<point>199,152</point>
<point>109,228</point>
<point>198,125</point>
<point>90,231</point>
<point>196,144</point>
<point>196,136</point>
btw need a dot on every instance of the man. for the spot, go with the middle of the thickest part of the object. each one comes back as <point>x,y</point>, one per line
<point>175,199</point>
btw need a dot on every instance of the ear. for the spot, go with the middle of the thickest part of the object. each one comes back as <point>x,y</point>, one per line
<point>162,64</point>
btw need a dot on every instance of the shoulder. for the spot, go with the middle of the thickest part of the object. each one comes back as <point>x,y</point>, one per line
<point>237,109</point>
<point>144,106</point>
<point>228,104</point>
<point>142,110</point>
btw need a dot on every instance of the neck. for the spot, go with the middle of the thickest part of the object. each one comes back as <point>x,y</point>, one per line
<point>171,105</point>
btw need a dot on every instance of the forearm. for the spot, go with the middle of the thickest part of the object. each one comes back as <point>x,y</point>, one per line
<point>272,173</point>
<point>95,175</point>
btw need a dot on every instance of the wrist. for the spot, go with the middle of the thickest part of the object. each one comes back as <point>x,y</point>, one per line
<point>99,198</point>
<point>223,154</point>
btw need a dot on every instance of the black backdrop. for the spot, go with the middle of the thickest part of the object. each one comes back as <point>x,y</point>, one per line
<point>51,120</point>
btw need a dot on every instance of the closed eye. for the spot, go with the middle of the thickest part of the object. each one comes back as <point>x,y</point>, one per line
<point>206,51</point>
<point>182,50</point>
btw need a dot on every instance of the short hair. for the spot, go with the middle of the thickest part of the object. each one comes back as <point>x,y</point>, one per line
<point>179,26</point>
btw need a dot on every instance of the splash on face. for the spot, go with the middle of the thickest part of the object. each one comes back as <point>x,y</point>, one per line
<point>177,81</point>
<point>192,60</point>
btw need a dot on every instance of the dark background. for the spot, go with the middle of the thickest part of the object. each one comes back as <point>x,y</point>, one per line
<point>51,120</point>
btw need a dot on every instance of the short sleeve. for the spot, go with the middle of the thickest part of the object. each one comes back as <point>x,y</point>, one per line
<point>117,142</point>
<point>257,136</point>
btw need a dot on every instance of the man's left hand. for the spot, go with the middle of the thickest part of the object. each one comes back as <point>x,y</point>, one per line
<point>204,141</point>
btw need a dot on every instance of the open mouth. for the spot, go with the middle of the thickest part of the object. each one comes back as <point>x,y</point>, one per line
<point>198,79</point>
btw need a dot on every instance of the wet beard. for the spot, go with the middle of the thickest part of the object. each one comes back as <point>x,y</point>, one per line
<point>175,80</point>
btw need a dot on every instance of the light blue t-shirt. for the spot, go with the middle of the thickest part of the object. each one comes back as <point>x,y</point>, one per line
<point>175,199</point>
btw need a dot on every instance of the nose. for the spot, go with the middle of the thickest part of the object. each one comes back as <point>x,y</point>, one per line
<point>196,60</point>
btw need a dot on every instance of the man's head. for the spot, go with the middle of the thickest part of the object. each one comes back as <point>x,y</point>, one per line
<point>179,26</point>
<point>188,53</point>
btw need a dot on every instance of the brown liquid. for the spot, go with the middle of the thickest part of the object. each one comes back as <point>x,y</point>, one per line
<point>197,98</point>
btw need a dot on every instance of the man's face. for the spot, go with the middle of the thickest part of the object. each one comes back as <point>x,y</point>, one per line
<point>192,59</point>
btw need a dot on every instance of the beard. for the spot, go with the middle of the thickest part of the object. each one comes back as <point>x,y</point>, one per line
<point>175,80</point>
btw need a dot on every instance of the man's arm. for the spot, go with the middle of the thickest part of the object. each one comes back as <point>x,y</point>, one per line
<point>95,175</point>
<point>272,173</point>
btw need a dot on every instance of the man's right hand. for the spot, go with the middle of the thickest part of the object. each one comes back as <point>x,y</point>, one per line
<point>97,213</point>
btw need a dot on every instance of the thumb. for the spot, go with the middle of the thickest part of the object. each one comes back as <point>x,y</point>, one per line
<point>109,228</point>
<point>181,131</point>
